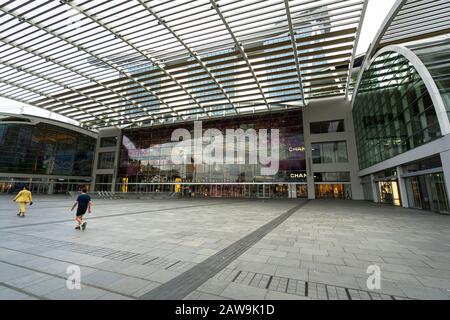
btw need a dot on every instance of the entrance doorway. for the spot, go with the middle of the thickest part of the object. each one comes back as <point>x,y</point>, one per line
<point>388,192</point>
<point>427,192</point>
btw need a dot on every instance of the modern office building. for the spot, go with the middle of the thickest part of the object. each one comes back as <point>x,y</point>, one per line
<point>372,127</point>
<point>45,155</point>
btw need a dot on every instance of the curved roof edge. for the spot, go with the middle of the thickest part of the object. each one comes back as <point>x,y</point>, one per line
<point>428,80</point>
<point>37,119</point>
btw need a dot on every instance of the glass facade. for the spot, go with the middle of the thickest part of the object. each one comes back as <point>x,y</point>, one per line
<point>393,111</point>
<point>435,56</point>
<point>145,156</point>
<point>45,149</point>
<point>43,185</point>
<point>106,160</point>
<point>103,182</point>
<point>329,152</point>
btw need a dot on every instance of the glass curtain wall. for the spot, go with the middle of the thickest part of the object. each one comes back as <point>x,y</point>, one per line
<point>435,56</point>
<point>45,149</point>
<point>329,152</point>
<point>393,111</point>
<point>145,158</point>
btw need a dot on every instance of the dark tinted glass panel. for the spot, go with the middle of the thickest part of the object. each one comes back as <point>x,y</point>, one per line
<point>106,160</point>
<point>45,149</point>
<point>108,142</point>
<point>103,178</point>
<point>332,176</point>
<point>327,126</point>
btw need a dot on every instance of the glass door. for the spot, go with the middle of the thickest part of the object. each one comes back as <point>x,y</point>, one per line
<point>438,193</point>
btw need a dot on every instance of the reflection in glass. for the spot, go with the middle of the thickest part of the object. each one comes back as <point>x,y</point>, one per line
<point>393,110</point>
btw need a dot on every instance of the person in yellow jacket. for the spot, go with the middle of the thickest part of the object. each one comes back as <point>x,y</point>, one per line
<point>23,197</point>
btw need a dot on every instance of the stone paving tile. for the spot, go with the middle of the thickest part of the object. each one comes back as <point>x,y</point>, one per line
<point>10,294</point>
<point>242,292</point>
<point>330,242</point>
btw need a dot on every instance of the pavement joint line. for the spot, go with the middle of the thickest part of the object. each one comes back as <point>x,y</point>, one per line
<point>188,281</point>
<point>64,278</point>
<point>71,262</point>
<point>6,285</point>
<point>91,251</point>
<point>107,216</point>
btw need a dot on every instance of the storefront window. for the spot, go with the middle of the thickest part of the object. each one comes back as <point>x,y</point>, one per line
<point>333,191</point>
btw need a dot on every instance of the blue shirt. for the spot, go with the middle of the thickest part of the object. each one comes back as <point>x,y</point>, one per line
<point>83,201</point>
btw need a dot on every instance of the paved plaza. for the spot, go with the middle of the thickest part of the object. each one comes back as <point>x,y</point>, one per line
<point>223,249</point>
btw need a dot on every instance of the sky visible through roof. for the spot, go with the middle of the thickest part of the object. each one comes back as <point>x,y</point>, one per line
<point>375,15</point>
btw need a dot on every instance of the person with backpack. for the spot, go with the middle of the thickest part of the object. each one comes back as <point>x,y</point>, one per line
<point>23,197</point>
<point>84,204</point>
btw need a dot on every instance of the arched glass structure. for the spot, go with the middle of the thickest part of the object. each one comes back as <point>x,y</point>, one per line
<point>435,56</point>
<point>393,110</point>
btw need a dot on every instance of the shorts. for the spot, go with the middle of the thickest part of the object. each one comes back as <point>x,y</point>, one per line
<point>81,211</point>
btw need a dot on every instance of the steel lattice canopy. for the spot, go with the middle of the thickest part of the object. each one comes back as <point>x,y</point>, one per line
<point>412,20</point>
<point>132,63</point>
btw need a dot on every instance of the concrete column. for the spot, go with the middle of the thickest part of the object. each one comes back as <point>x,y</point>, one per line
<point>374,188</point>
<point>310,175</point>
<point>292,191</point>
<point>50,188</point>
<point>445,159</point>
<point>402,188</point>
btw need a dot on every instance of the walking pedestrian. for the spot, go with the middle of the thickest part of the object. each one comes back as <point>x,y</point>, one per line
<point>84,204</point>
<point>23,197</point>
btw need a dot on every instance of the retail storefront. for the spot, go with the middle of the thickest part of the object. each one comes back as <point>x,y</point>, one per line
<point>146,163</point>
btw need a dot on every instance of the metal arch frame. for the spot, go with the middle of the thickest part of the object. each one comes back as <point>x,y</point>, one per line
<point>295,49</point>
<point>13,84</point>
<point>253,24</point>
<point>375,43</point>
<point>192,53</point>
<point>57,82</point>
<point>154,61</point>
<point>21,69</point>
<point>389,21</point>
<point>116,35</point>
<point>130,77</point>
<point>384,27</point>
<point>37,119</point>
<point>241,50</point>
<point>438,102</point>
<point>62,64</point>
<point>355,47</point>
